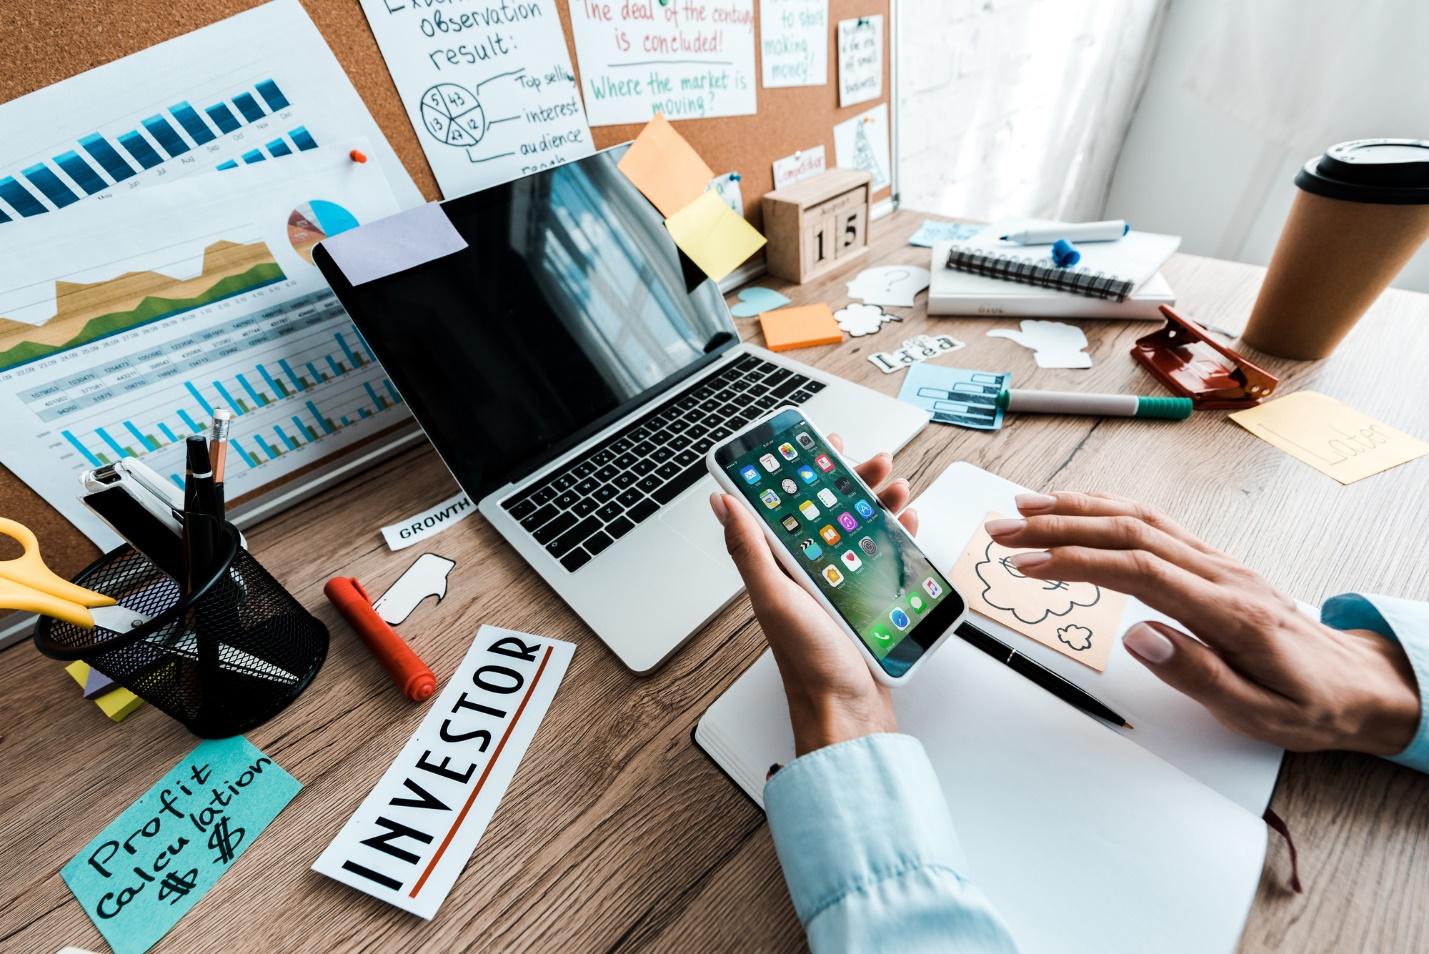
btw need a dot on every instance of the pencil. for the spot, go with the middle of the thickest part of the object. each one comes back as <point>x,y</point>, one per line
<point>218,454</point>
<point>1064,689</point>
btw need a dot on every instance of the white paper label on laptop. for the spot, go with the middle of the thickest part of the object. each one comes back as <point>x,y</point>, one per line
<point>413,835</point>
<point>394,244</point>
<point>429,522</point>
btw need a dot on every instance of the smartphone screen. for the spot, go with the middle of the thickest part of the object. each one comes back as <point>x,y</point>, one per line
<point>888,592</point>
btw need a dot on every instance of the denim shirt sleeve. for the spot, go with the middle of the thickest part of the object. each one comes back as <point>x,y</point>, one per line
<point>1406,622</point>
<point>869,853</point>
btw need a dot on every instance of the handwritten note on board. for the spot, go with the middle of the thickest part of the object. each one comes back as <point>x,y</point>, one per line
<point>860,60</point>
<point>794,42</point>
<point>488,87</point>
<point>862,143</point>
<point>140,875</point>
<point>1330,436</point>
<point>804,164</point>
<point>686,58</point>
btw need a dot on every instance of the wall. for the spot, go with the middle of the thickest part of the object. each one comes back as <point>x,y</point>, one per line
<point>1240,95</point>
<point>1017,107</point>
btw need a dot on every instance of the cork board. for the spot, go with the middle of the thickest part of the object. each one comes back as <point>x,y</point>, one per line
<point>43,49</point>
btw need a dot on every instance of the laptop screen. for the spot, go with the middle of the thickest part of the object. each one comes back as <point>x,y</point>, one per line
<point>569,305</point>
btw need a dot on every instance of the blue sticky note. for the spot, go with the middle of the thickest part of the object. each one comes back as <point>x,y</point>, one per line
<point>162,854</point>
<point>930,232</point>
<point>755,300</point>
<point>956,395</point>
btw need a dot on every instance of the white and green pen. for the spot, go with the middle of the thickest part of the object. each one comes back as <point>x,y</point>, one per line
<point>1100,405</point>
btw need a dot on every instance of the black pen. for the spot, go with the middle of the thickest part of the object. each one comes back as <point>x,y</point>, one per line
<point>1064,689</point>
<point>198,538</point>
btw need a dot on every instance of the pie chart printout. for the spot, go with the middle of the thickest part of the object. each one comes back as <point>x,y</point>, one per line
<point>314,221</point>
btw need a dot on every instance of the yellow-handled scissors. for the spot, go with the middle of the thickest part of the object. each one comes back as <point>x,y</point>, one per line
<point>28,585</point>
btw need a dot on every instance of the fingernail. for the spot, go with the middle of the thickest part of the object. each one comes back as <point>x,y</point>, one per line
<point>717,504</point>
<point>1148,643</point>
<point>1030,559</point>
<point>1026,502</point>
<point>998,528</point>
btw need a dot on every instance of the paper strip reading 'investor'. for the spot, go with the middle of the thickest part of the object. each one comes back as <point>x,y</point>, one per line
<point>413,834</point>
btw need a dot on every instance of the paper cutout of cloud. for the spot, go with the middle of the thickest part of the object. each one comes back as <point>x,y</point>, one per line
<point>1030,601</point>
<point>859,320</point>
<point>1075,637</point>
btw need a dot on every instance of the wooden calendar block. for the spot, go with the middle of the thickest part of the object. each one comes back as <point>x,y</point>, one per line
<point>816,224</point>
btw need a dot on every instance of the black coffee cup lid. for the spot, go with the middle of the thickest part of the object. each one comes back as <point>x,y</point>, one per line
<point>1382,171</point>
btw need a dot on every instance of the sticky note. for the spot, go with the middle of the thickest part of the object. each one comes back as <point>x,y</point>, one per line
<point>1078,620</point>
<point>154,862</point>
<point>802,327</point>
<point>1330,436</point>
<point>414,833</point>
<point>665,168</point>
<point>715,237</point>
<point>117,703</point>
<point>755,299</point>
<point>961,396</point>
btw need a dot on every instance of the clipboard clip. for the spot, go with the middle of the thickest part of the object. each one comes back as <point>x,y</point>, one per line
<point>1184,357</point>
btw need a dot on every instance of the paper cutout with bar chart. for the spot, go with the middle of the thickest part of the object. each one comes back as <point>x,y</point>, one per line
<point>125,323</point>
<point>258,86</point>
<point>1079,620</point>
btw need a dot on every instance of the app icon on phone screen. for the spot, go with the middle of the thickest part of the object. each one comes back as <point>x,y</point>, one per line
<point>806,474</point>
<point>788,486</point>
<point>750,475</point>
<point>832,574</point>
<point>791,524</point>
<point>826,497</point>
<point>824,463</point>
<point>770,499</point>
<point>846,519</point>
<point>805,441</point>
<point>864,508</point>
<point>769,463</point>
<point>810,549</point>
<point>787,451</point>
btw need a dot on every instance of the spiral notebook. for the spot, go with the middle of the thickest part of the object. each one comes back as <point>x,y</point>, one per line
<point>1087,839</point>
<point>1108,270</point>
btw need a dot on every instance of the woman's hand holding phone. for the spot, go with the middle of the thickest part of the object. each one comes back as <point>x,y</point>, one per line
<point>832,695</point>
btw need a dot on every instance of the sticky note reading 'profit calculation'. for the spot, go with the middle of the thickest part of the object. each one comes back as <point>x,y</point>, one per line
<point>163,853</point>
<point>1329,436</point>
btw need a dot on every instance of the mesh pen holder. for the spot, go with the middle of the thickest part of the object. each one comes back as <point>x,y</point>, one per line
<point>223,659</point>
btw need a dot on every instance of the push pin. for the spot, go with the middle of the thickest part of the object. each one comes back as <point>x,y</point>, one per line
<point>357,155</point>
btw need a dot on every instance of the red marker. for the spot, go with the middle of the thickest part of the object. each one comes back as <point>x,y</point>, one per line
<point>357,155</point>
<point>407,670</point>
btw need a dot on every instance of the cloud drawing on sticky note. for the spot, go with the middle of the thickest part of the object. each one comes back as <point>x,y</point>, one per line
<point>1031,601</point>
<point>1075,637</point>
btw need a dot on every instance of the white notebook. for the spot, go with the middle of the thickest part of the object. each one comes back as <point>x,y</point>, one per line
<point>953,292</point>
<point>1086,838</point>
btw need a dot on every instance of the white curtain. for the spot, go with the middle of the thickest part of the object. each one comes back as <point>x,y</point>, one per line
<point>1018,107</point>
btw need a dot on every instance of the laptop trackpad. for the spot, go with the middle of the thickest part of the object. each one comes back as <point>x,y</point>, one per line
<point>692,519</point>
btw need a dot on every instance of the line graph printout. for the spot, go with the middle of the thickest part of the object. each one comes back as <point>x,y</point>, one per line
<point>689,59</point>
<point>488,86</point>
<point>257,87</point>
<point>125,324</point>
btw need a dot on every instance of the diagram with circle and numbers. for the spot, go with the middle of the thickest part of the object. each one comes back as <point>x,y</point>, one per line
<point>453,115</point>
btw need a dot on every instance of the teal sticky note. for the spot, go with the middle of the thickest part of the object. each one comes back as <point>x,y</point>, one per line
<point>162,854</point>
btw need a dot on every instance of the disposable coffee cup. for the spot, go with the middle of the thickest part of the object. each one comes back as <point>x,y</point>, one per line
<point>1361,211</point>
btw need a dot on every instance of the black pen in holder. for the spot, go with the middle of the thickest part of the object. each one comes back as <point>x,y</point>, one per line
<point>223,651</point>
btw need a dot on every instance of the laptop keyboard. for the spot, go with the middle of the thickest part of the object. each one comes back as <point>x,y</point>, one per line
<point>594,500</point>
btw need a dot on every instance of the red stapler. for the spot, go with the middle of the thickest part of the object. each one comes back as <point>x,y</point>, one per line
<point>1183,357</point>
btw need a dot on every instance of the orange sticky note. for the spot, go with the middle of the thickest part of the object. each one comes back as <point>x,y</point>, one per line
<point>664,167</point>
<point>802,327</point>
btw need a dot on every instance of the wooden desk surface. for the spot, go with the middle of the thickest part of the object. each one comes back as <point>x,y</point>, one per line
<point>617,833</point>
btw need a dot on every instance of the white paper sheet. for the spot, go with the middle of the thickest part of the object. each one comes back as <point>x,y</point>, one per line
<point>860,60</point>
<point>488,87</point>
<point>394,244</point>
<point>804,164</point>
<point>688,59</point>
<point>862,143</point>
<point>429,522</point>
<point>211,300</point>
<point>411,837</point>
<point>794,42</point>
<point>258,87</point>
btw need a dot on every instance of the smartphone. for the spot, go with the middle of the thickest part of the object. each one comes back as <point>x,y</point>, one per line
<point>837,540</point>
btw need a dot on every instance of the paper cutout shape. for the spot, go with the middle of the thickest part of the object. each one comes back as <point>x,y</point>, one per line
<point>429,522</point>
<point>956,395</point>
<point>664,167</point>
<point>715,238</point>
<point>915,349</point>
<point>1056,343</point>
<point>117,704</point>
<point>931,231</point>
<point>163,853</point>
<point>727,186</point>
<point>802,327</point>
<point>755,299</point>
<point>860,320</point>
<point>892,285</point>
<point>1330,436</point>
<point>95,683</point>
<point>1078,620</point>
<point>425,577</point>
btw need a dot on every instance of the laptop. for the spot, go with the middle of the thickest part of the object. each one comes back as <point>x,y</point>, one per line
<point>572,368</point>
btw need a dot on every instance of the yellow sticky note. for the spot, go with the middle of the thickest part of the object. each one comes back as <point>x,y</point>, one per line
<point>1330,436</point>
<point>716,238</point>
<point>117,703</point>
<point>1079,620</point>
<point>664,167</point>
